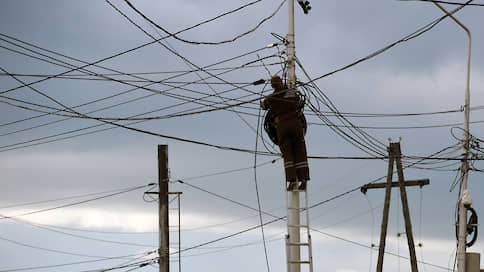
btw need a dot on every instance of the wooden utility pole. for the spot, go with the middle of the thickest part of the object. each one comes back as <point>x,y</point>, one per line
<point>164,261</point>
<point>395,155</point>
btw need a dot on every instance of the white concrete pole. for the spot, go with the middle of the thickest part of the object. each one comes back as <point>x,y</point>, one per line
<point>293,214</point>
<point>462,219</point>
<point>291,46</point>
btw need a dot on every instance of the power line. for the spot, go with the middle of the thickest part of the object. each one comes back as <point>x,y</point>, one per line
<point>221,249</point>
<point>401,127</point>
<point>110,122</point>
<point>445,2</point>
<point>173,35</point>
<point>167,47</point>
<point>75,263</point>
<point>411,36</point>
<point>227,107</point>
<point>112,232</point>
<point>257,192</point>
<point>125,126</point>
<point>127,51</point>
<point>63,198</point>
<point>75,203</point>
<point>283,218</point>
<point>361,139</point>
<point>45,227</point>
<point>219,62</point>
<point>373,248</point>
<point>104,75</point>
<point>136,265</point>
<point>51,250</point>
<point>104,108</point>
<point>69,66</point>
<point>126,82</point>
<point>229,171</point>
<point>136,86</point>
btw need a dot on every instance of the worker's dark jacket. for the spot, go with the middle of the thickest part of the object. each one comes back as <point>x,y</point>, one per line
<point>284,106</point>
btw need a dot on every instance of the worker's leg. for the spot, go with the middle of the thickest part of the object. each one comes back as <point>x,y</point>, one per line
<point>286,147</point>
<point>300,157</point>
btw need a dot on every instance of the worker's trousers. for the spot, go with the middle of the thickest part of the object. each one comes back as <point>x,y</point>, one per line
<point>290,134</point>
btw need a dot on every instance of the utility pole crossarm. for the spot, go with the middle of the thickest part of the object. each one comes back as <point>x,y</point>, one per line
<point>417,182</point>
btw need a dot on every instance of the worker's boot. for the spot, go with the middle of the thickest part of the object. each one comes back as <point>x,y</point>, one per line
<point>303,185</point>
<point>292,185</point>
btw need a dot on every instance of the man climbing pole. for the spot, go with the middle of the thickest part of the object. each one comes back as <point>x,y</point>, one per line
<point>285,109</point>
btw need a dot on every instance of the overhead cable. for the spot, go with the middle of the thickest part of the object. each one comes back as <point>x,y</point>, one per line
<point>127,51</point>
<point>444,2</point>
<point>52,250</point>
<point>107,107</point>
<point>203,42</point>
<point>64,198</point>
<point>47,228</point>
<point>276,219</point>
<point>75,263</point>
<point>411,36</point>
<point>75,203</point>
<point>399,127</point>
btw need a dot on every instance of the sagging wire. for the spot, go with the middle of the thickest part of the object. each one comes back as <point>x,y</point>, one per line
<point>257,186</point>
<point>169,49</point>
<point>147,197</point>
<point>446,2</point>
<point>75,203</point>
<point>75,263</point>
<point>125,92</point>
<point>261,124</point>
<point>364,141</point>
<point>51,229</point>
<point>224,101</point>
<point>407,38</point>
<point>129,50</point>
<point>204,42</point>
<point>277,219</point>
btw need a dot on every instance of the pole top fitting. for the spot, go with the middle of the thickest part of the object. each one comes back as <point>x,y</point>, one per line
<point>304,5</point>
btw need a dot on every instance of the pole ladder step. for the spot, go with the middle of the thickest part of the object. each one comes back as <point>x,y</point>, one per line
<point>298,226</point>
<point>300,262</point>
<point>300,209</point>
<point>298,244</point>
<point>294,247</point>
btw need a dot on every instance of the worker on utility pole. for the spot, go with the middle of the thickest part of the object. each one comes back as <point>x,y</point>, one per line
<point>285,107</point>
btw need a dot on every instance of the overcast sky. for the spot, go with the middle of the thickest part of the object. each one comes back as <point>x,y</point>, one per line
<point>47,157</point>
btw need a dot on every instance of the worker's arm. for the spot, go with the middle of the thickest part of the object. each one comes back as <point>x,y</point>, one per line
<point>264,104</point>
<point>300,101</point>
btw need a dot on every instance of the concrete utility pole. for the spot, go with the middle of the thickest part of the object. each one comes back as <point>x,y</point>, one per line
<point>293,238</point>
<point>293,218</point>
<point>462,217</point>
<point>395,155</point>
<point>164,262</point>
